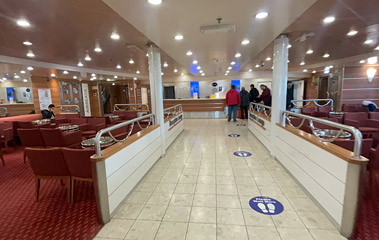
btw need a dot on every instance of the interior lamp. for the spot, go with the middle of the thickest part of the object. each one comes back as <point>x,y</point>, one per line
<point>371,74</point>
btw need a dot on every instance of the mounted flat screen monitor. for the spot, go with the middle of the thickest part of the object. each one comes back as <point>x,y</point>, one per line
<point>195,88</point>
<point>237,83</point>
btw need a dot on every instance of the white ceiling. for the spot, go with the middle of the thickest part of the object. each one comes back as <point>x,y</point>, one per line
<point>161,23</point>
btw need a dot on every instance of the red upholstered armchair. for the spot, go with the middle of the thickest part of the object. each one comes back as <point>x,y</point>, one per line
<point>48,164</point>
<point>26,125</point>
<point>308,111</point>
<point>360,121</point>
<point>374,115</point>
<point>79,165</point>
<point>6,133</point>
<point>348,108</point>
<point>373,165</point>
<point>30,138</point>
<point>349,145</point>
<point>94,125</point>
<point>81,122</point>
<point>58,138</point>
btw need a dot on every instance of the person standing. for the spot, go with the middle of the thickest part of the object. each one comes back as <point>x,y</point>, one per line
<point>232,101</point>
<point>245,101</point>
<point>290,89</point>
<point>266,95</point>
<point>253,93</point>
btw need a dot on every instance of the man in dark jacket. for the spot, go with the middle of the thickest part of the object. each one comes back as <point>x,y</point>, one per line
<point>232,101</point>
<point>253,93</point>
<point>245,101</point>
<point>48,113</point>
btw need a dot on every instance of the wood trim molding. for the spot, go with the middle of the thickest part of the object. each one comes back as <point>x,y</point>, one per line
<point>261,115</point>
<point>171,117</point>
<point>106,153</point>
<point>327,146</point>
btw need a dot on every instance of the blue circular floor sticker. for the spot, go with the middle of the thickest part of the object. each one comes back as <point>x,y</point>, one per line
<point>242,154</point>
<point>234,135</point>
<point>266,205</point>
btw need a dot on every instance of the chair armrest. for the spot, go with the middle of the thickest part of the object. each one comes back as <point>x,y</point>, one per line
<point>7,133</point>
<point>352,123</point>
<point>71,138</point>
<point>84,127</point>
<point>320,114</point>
<point>100,126</point>
<point>374,123</point>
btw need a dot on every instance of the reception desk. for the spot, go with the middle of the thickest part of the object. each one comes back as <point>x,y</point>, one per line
<point>16,109</point>
<point>199,108</point>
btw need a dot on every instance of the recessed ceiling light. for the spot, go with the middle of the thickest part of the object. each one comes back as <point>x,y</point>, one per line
<point>194,62</point>
<point>232,63</point>
<point>314,71</point>
<point>147,55</point>
<point>329,19</point>
<point>135,78</point>
<point>87,58</point>
<point>362,61</point>
<point>30,68</point>
<point>352,33</point>
<point>155,2</point>
<point>162,73</point>
<point>377,48</point>
<point>179,37</point>
<point>16,76</point>
<point>268,59</point>
<point>302,63</point>
<point>115,36</point>
<point>257,66</point>
<point>250,70</point>
<point>131,61</point>
<point>115,76</point>
<point>201,71</point>
<point>305,70</point>
<point>245,42</point>
<point>25,80</point>
<point>202,74</point>
<point>27,43</point>
<point>182,74</point>
<point>65,72</point>
<point>331,66</point>
<point>188,53</point>
<point>227,71</point>
<point>93,75</point>
<point>165,64</point>
<point>23,23</point>
<point>98,49</point>
<point>372,60</point>
<point>226,74</point>
<point>229,68</point>
<point>175,70</point>
<point>30,54</point>
<point>52,75</point>
<point>369,41</point>
<point>198,67</point>
<point>310,51</point>
<point>80,64</point>
<point>113,84</point>
<point>109,80</point>
<point>237,55</point>
<point>138,72</point>
<point>118,66</point>
<point>261,15</point>
<point>288,61</point>
<point>326,55</point>
<point>74,77</point>
<point>22,71</point>
<point>289,46</point>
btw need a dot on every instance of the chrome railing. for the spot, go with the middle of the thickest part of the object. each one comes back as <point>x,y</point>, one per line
<point>149,117</point>
<point>174,110</point>
<point>131,107</point>
<point>3,111</point>
<point>289,116</point>
<point>260,108</point>
<point>306,102</point>
<point>69,109</point>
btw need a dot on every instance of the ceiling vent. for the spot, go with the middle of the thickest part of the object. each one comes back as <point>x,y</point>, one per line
<point>218,28</point>
<point>305,37</point>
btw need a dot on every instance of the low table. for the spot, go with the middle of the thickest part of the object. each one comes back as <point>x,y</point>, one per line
<point>69,128</point>
<point>104,142</point>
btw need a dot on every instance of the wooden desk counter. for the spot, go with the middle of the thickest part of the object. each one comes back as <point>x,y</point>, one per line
<point>197,105</point>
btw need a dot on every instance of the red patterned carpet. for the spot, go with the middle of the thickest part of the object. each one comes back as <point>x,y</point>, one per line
<point>52,217</point>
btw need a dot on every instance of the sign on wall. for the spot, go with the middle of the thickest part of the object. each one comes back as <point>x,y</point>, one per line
<point>44,96</point>
<point>86,101</point>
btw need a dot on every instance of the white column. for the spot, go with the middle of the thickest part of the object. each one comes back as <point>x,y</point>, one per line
<point>279,85</point>
<point>156,92</point>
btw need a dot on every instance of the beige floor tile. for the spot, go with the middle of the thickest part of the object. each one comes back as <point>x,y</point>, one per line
<point>293,192</point>
<point>231,232</point>
<point>128,211</point>
<point>116,228</point>
<point>201,231</point>
<point>205,188</point>
<point>170,178</point>
<point>254,218</point>
<point>228,201</point>
<point>262,233</point>
<point>190,171</point>
<point>285,182</point>
<point>207,172</point>
<point>159,198</point>
<point>294,234</point>
<point>315,220</point>
<point>138,197</point>
<point>242,173</point>
<point>303,204</point>
<point>177,214</point>
<point>225,180</point>
<point>152,178</point>
<point>244,200</point>
<point>265,181</point>
<point>204,200</point>
<point>146,187</point>
<point>319,234</point>
<point>270,191</point>
<point>152,212</point>
<point>185,188</point>
<point>143,230</point>
<point>227,189</point>
<point>248,190</point>
<point>288,219</point>
<point>231,216</point>
<point>245,180</point>
<point>182,199</point>
<point>172,231</point>
<point>203,215</point>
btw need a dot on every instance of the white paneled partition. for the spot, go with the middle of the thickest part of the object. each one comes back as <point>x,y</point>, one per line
<point>261,128</point>
<point>173,128</point>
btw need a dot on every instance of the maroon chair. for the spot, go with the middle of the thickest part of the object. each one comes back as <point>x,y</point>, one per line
<point>374,115</point>
<point>81,122</point>
<point>30,138</point>
<point>325,109</point>
<point>26,125</point>
<point>348,108</point>
<point>308,111</point>
<point>349,145</point>
<point>361,109</point>
<point>94,125</point>
<point>373,165</point>
<point>120,133</point>
<point>78,162</point>
<point>6,133</point>
<point>58,138</point>
<point>360,121</point>
<point>48,164</point>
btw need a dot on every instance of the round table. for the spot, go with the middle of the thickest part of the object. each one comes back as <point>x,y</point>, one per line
<point>104,142</point>
<point>331,133</point>
<point>69,128</point>
<point>41,122</point>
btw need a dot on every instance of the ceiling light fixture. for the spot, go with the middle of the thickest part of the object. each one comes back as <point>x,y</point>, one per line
<point>226,74</point>
<point>87,58</point>
<point>155,2</point>
<point>371,74</point>
<point>27,43</point>
<point>310,51</point>
<point>23,23</point>
<point>22,71</point>
<point>162,74</point>
<point>115,36</point>
<point>198,67</point>
<point>30,68</point>
<point>65,72</point>
<point>52,75</point>
<point>227,71</point>
<point>97,48</point>
<point>16,76</point>
<point>245,42</point>
<point>268,59</point>
<point>257,66</point>
<point>377,48</point>
<point>118,66</point>
<point>189,53</point>
<point>362,61</point>
<point>131,61</point>
<point>179,37</point>
<point>229,68</point>
<point>202,74</point>
<point>261,15</point>
<point>74,77</point>
<point>352,32</point>
<point>232,63</point>
<point>135,78</point>
<point>369,41</point>
<point>250,70</point>
<point>165,64</point>
<point>194,62</point>
<point>30,54</point>
<point>113,84</point>
<point>237,55</point>
<point>175,70</point>
<point>138,72</point>
<point>201,71</point>
<point>93,75</point>
<point>182,74</point>
<point>314,71</point>
<point>115,76</point>
<point>305,70</point>
<point>326,55</point>
<point>329,19</point>
<point>25,80</point>
<point>302,63</point>
<point>289,46</point>
<point>372,60</point>
<point>80,64</point>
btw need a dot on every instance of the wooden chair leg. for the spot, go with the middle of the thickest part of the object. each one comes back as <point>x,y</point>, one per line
<point>72,189</point>
<point>68,183</point>
<point>38,183</point>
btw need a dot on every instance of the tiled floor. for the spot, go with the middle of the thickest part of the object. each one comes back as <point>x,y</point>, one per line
<point>200,190</point>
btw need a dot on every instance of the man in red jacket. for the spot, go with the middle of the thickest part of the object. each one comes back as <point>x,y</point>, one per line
<point>232,100</point>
